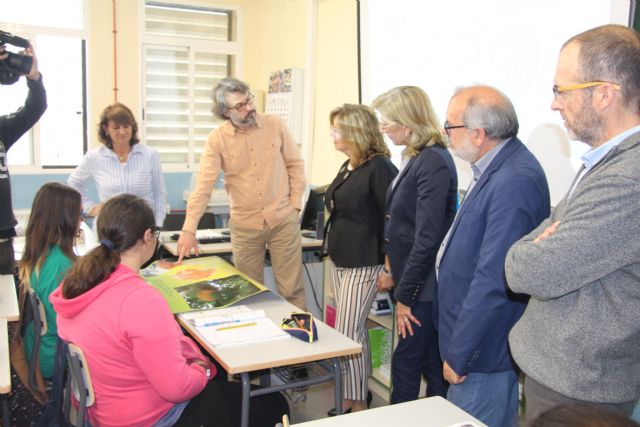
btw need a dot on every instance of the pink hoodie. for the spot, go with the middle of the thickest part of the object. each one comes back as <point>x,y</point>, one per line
<point>136,353</point>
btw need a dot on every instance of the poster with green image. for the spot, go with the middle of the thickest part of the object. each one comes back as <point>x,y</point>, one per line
<point>200,284</point>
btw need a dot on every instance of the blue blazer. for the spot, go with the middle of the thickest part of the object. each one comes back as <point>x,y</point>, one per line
<point>420,209</point>
<point>475,309</point>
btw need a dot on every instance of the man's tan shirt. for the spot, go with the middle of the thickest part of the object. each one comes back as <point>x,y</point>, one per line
<point>263,173</point>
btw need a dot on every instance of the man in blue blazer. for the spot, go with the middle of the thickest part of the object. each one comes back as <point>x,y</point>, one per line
<point>475,311</point>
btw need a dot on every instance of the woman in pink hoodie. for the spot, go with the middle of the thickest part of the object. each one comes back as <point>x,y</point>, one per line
<point>144,370</point>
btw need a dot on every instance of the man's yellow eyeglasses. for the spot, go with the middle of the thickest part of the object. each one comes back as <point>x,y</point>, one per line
<point>559,89</point>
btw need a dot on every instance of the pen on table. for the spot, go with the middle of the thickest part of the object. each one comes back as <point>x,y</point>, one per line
<point>216,322</point>
<point>199,323</point>
<point>224,328</point>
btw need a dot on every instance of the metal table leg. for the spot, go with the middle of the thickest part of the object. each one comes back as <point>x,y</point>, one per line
<point>265,378</point>
<point>6,415</point>
<point>246,397</point>
<point>337,378</point>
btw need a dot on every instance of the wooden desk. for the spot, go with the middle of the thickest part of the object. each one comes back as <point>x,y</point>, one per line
<point>429,412</point>
<point>244,358</point>
<point>8,298</point>
<point>224,248</point>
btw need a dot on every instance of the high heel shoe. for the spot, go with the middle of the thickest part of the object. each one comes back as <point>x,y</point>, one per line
<point>332,412</point>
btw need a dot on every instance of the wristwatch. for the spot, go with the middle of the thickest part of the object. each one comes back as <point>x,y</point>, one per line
<point>208,372</point>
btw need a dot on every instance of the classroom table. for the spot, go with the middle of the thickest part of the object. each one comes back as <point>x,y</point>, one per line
<point>224,248</point>
<point>79,248</point>
<point>429,412</point>
<point>8,298</point>
<point>311,256</point>
<point>245,358</point>
<point>9,311</point>
<point>5,369</point>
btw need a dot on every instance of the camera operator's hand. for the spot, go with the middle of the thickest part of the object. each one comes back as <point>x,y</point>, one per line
<point>34,74</point>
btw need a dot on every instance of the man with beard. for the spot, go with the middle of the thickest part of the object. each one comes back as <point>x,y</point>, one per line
<point>264,177</point>
<point>578,341</point>
<point>508,198</point>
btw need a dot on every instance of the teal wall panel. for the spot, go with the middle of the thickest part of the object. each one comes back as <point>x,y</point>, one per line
<point>25,186</point>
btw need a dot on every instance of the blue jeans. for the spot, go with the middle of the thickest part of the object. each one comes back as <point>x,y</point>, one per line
<point>415,356</point>
<point>491,398</point>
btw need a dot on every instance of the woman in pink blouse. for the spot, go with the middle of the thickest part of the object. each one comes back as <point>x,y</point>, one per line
<point>144,370</point>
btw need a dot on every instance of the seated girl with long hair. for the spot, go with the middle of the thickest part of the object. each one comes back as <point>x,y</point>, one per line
<point>48,253</point>
<point>143,369</point>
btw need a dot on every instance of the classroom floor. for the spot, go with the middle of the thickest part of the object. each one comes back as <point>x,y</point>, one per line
<point>314,403</point>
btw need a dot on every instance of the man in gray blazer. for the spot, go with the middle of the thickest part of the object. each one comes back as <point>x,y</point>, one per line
<point>579,338</point>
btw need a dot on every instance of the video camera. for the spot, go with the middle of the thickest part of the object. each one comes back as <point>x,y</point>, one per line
<point>15,65</point>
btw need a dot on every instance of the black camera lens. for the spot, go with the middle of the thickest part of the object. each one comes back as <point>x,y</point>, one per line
<point>9,38</point>
<point>14,64</point>
<point>20,63</point>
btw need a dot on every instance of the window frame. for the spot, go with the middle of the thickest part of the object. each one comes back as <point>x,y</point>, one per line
<point>27,30</point>
<point>193,46</point>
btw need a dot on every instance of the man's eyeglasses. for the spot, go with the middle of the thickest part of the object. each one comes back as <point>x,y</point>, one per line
<point>559,89</point>
<point>448,127</point>
<point>240,106</point>
<point>156,230</point>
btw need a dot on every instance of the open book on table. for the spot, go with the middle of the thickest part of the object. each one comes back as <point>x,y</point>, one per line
<point>234,325</point>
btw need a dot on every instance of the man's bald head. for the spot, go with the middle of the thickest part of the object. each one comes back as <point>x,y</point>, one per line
<point>485,107</point>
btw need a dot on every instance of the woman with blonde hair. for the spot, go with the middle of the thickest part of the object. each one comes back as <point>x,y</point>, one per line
<point>354,237</point>
<point>421,205</point>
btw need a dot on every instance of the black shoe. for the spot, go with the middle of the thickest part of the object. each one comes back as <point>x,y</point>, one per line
<point>299,374</point>
<point>332,412</point>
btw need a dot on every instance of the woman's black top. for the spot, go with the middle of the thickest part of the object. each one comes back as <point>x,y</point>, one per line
<point>356,203</point>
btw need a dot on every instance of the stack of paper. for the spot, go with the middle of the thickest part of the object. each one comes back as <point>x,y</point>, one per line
<point>224,315</point>
<point>235,325</point>
<point>385,371</point>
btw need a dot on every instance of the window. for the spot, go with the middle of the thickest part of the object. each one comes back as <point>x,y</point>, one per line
<point>65,14</point>
<point>186,50</point>
<point>56,29</point>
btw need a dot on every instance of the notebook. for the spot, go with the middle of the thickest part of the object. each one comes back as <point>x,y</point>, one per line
<point>238,328</point>
<point>222,315</point>
<point>244,332</point>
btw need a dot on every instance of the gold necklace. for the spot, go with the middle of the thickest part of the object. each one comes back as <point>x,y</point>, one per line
<point>122,157</point>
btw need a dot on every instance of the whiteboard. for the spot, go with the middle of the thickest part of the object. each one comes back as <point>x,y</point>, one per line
<point>512,45</point>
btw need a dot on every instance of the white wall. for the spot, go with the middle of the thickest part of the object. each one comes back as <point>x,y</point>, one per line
<point>512,45</point>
